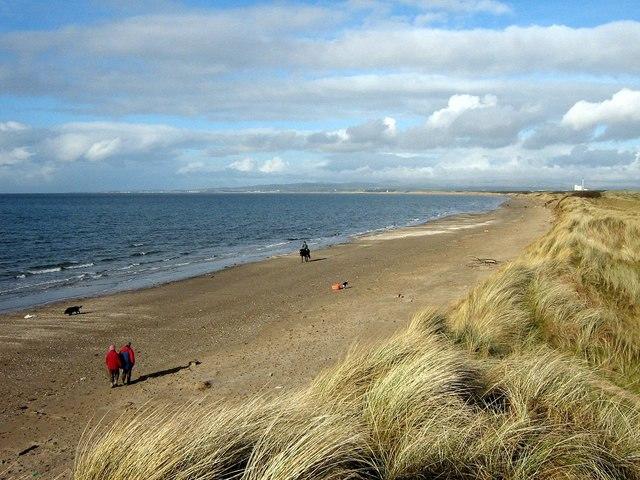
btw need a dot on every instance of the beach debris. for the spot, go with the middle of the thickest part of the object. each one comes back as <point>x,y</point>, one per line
<point>194,363</point>
<point>29,315</point>
<point>339,286</point>
<point>477,261</point>
<point>28,449</point>
<point>204,385</point>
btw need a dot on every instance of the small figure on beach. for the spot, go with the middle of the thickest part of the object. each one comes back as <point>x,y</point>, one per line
<point>127,361</point>
<point>112,360</point>
<point>75,310</point>
<point>305,253</point>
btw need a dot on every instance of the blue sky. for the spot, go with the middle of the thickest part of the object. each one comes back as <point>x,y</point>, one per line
<point>102,95</point>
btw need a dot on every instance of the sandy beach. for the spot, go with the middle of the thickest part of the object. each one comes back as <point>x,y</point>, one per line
<point>265,327</point>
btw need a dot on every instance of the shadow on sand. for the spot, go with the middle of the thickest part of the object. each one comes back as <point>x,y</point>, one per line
<point>162,373</point>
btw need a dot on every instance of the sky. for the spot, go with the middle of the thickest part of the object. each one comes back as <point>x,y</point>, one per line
<point>107,95</point>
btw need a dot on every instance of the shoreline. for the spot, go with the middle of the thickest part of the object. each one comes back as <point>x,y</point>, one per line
<point>142,283</point>
<point>265,328</point>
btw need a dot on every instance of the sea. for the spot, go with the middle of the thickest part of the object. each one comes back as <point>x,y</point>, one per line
<point>62,246</point>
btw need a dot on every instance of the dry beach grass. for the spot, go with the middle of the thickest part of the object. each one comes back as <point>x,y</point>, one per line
<point>534,374</point>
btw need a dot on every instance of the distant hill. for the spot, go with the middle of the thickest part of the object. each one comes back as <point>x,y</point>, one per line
<point>298,188</point>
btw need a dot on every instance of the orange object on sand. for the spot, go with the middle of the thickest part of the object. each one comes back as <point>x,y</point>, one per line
<point>339,286</point>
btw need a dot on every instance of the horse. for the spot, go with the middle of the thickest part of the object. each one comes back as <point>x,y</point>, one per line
<point>305,255</point>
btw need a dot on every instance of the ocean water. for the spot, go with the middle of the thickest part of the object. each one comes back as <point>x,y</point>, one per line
<point>61,246</point>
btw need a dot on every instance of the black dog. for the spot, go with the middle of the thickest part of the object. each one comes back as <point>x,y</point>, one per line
<point>75,310</point>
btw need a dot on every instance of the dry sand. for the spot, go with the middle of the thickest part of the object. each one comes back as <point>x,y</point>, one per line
<point>266,327</point>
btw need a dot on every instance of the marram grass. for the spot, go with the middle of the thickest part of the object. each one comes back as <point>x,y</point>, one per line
<point>534,375</point>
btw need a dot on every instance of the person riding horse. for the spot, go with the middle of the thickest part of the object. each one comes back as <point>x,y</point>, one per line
<point>305,253</point>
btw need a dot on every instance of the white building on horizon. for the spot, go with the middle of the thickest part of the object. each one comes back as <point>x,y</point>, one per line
<point>580,188</point>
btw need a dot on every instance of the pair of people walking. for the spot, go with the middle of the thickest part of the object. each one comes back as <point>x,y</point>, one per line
<point>123,360</point>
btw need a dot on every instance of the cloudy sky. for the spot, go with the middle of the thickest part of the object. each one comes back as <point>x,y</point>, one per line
<point>98,95</point>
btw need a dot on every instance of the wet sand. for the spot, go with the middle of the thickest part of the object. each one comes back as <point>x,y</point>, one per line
<point>266,327</point>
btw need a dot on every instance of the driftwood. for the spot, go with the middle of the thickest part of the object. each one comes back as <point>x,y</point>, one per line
<point>485,261</point>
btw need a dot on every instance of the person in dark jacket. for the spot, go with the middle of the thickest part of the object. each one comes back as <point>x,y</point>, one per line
<point>305,253</point>
<point>127,361</point>
<point>113,365</point>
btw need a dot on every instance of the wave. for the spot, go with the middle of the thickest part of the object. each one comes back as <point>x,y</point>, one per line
<point>73,267</point>
<point>131,265</point>
<point>140,254</point>
<point>53,268</point>
<point>44,270</point>
<point>279,244</point>
<point>42,284</point>
<point>110,259</point>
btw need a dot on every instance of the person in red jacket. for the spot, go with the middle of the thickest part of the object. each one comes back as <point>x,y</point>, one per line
<point>113,365</point>
<point>127,361</point>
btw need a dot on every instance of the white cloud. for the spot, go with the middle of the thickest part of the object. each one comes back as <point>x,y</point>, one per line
<point>14,156</point>
<point>270,62</point>
<point>275,165</point>
<point>191,167</point>
<point>69,146</point>
<point>245,165</point>
<point>391,124</point>
<point>553,132</point>
<point>374,92</point>
<point>374,132</point>
<point>12,126</point>
<point>103,149</point>
<point>623,106</point>
<point>514,49</point>
<point>95,141</point>
<point>584,156</point>
<point>457,105</point>
<point>507,167</point>
<point>425,19</point>
<point>493,7</point>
